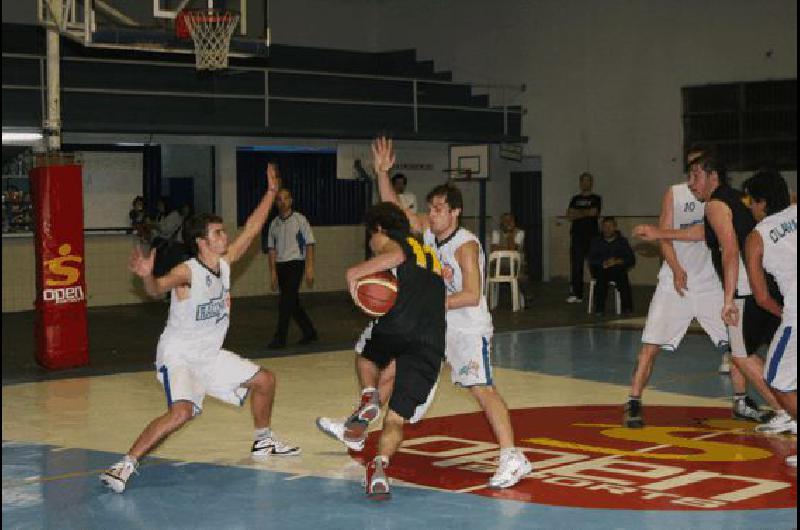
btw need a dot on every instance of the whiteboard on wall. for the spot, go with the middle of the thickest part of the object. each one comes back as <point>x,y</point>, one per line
<point>111,180</point>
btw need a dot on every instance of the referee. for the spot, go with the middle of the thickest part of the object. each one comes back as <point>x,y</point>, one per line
<point>291,256</point>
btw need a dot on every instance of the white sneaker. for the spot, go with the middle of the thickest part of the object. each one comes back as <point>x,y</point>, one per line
<point>335,429</point>
<point>791,460</point>
<point>270,446</point>
<point>513,468</point>
<point>117,475</point>
<point>574,300</point>
<point>779,423</point>
<point>725,364</point>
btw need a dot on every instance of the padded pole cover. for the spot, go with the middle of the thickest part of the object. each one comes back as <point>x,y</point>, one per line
<point>60,325</point>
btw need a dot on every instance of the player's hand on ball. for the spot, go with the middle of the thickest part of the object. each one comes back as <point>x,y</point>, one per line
<point>382,156</point>
<point>352,283</point>
<point>141,263</point>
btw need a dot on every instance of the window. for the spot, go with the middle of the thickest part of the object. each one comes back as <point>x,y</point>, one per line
<point>749,124</point>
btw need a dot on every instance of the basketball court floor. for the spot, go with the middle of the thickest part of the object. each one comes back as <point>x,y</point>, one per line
<point>691,467</point>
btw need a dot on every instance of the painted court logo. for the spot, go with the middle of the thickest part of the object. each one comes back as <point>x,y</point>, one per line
<point>687,458</point>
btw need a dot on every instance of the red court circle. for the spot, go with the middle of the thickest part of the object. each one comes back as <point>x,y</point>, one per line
<point>687,458</point>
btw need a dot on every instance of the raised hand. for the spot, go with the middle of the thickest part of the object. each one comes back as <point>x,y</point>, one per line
<point>273,180</point>
<point>141,263</point>
<point>382,154</point>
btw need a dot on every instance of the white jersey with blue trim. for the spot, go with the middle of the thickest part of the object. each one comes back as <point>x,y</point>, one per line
<point>779,235</point>
<point>201,320</point>
<point>476,319</point>
<point>694,256</point>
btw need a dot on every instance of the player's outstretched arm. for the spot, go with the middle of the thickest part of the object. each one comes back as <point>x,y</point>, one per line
<point>141,264</point>
<point>470,294</point>
<point>653,233</point>
<point>388,256</point>
<point>256,221</point>
<point>754,253</point>
<point>383,159</point>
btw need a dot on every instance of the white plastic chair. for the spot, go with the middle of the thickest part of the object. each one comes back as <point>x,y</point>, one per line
<point>617,297</point>
<point>504,267</point>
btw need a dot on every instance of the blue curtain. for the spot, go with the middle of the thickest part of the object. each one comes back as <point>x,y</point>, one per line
<point>311,177</point>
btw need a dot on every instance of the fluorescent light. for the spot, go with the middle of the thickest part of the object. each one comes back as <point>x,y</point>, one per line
<point>21,137</point>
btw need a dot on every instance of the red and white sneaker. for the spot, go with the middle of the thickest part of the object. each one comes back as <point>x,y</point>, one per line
<point>368,409</point>
<point>336,429</point>
<point>376,483</point>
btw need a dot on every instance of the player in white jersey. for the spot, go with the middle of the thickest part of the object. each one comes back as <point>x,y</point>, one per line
<point>469,323</point>
<point>469,326</point>
<point>190,361</point>
<point>688,288</point>
<point>772,247</point>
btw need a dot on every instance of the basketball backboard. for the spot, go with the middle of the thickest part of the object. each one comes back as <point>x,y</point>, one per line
<point>472,160</point>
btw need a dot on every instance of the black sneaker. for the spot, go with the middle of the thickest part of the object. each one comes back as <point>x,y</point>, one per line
<point>276,344</point>
<point>308,339</point>
<point>633,414</point>
<point>747,409</point>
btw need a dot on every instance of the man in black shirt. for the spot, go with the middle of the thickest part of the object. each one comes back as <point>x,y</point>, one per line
<point>583,212</point>
<point>727,225</point>
<point>412,334</point>
<point>610,258</point>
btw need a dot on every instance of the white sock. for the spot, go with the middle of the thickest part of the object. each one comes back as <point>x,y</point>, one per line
<point>265,432</point>
<point>508,451</point>
<point>369,390</point>
<point>131,460</point>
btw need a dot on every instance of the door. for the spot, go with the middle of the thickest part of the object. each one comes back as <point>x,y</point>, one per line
<point>526,205</point>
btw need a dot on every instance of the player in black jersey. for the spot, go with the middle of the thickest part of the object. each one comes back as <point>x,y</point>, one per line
<point>727,225</point>
<point>411,334</point>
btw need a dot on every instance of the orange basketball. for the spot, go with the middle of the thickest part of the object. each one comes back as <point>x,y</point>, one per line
<point>376,293</point>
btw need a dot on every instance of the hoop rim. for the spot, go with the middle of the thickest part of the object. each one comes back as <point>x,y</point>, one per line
<point>457,173</point>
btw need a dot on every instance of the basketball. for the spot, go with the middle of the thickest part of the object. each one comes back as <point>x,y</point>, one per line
<point>376,293</point>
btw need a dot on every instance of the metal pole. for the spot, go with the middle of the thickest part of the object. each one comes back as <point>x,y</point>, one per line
<point>52,121</point>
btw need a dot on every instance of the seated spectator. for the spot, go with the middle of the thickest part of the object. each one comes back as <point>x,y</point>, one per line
<point>407,200</point>
<point>610,258</point>
<point>137,216</point>
<point>508,237</point>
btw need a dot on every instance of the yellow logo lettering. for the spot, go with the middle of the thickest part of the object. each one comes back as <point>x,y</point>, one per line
<point>57,266</point>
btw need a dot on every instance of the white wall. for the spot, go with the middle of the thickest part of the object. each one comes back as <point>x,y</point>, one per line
<point>603,78</point>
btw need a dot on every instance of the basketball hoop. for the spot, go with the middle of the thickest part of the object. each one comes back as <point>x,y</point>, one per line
<point>211,30</point>
<point>459,174</point>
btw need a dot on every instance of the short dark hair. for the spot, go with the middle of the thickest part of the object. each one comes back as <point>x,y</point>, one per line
<point>197,226</point>
<point>586,174</point>
<point>610,218</point>
<point>390,217</point>
<point>451,194</point>
<point>709,161</point>
<point>768,185</point>
<point>399,176</point>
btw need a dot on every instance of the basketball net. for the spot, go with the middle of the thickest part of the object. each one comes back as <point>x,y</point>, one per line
<point>211,31</point>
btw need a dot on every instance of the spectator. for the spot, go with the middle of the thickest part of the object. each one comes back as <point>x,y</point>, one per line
<point>610,258</point>
<point>137,216</point>
<point>508,237</point>
<point>583,212</point>
<point>407,200</point>
<point>291,256</point>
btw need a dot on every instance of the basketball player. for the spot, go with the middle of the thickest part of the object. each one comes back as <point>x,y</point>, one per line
<point>412,333</point>
<point>469,323</point>
<point>688,288</point>
<point>772,246</point>
<point>727,222</point>
<point>190,360</point>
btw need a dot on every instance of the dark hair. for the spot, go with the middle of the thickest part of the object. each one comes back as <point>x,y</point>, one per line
<point>610,218</point>
<point>197,226</point>
<point>711,162</point>
<point>397,176</point>
<point>451,194</point>
<point>586,174</point>
<point>390,217</point>
<point>769,186</point>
